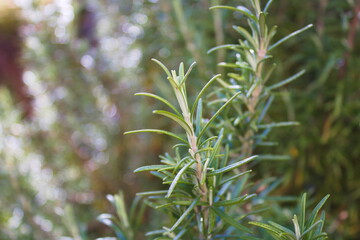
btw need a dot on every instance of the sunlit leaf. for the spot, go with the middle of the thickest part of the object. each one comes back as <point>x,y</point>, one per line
<point>157,131</point>
<point>231,166</point>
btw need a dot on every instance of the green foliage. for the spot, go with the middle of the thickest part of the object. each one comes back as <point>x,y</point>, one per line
<point>199,203</point>
<point>73,153</point>
<point>304,229</point>
<point>248,75</point>
<point>194,177</point>
<point>124,223</point>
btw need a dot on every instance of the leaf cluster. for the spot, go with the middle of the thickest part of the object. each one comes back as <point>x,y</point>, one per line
<point>208,194</point>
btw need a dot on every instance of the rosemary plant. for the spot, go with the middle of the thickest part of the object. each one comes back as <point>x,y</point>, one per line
<point>208,194</point>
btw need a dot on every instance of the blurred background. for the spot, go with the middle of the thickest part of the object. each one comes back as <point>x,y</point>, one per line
<point>68,72</point>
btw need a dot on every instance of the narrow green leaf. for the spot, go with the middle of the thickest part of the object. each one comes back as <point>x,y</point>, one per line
<point>267,57</point>
<point>208,140</point>
<point>316,211</point>
<point>175,78</point>
<point>162,66</point>
<point>226,46</point>
<point>214,153</point>
<point>185,203</point>
<point>112,222</point>
<point>198,117</point>
<point>233,201</point>
<point>302,212</point>
<point>177,178</point>
<point>162,192</point>
<point>240,9</point>
<point>231,166</point>
<point>156,232</point>
<point>287,236</point>
<point>321,236</point>
<point>279,124</point>
<point>265,109</point>
<point>121,209</point>
<point>70,221</point>
<point>204,171</point>
<point>271,34</point>
<point>297,227</point>
<point>243,32</point>
<point>229,220</point>
<point>136,213</point>
<point>267,227</point>
<point>267,6</point>
<point>173,82</point>
<point>282,228</point>
<point>176,118</point>
<point>289,36</point>
<point>274,157</point>
<point>185,214</point>
<point>188,73</point>
<point>181,72</point>
<point>207,149</point>
<point>312,227</point>
<point>230,65</point>
<point>181,183</point>
<point>179,145</point>
<point>153,168</point>
<point>286,81</point>
<point>320,228</point>
<point>180,234</point>
<point>235,177</point>
<point>157,131</point>
<point>252,89</point>
<point>262,25</point>
<point>254,30</point>
<point>160,99</point>
<point>202,92</point>
<point>164,205</point>
<point>256,5</point>
<point>212,222</point>
<point>216,114</point>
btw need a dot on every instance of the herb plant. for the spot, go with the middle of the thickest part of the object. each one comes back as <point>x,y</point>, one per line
<point>209,194</point>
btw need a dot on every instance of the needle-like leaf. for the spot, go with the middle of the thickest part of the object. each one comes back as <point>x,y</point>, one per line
<point>230,220</point>
<point>187,73</point>
<point>289,36</point>
<point>202,91</point>
<point>177,178</point>
<point>153,168</point>
<point>160,99</point>
<point>226,46</point>
<point>157,131</point>
<point>163,67</point>
<point>185,214</point>
<point>176,118</point>
<point>279,124</point>
<point>239,9</point>
<point>246,35</point>
<point>267,6</point>
<point>231,166</point>
<point>286,81</point>
<point>234,201</point>
<point>216,114</point>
